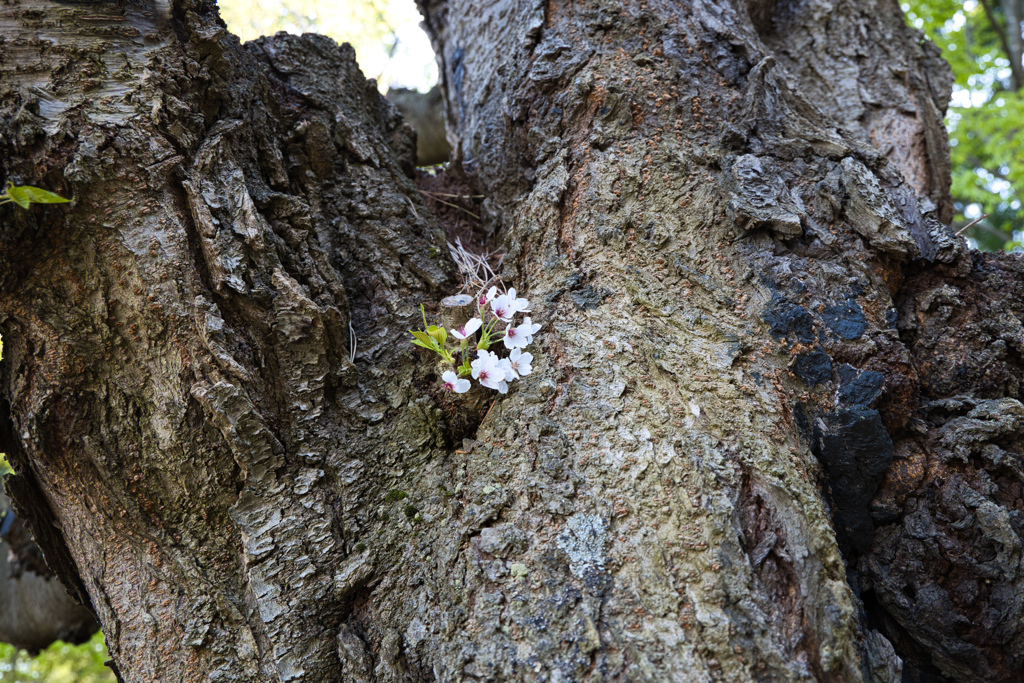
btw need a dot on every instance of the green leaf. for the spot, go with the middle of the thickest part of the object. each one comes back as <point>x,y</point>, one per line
<point>438,333</point>
<point>23,195</point>
<point>425,340</point>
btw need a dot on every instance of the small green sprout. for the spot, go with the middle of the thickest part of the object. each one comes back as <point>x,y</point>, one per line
<point>432,338</point>
<point>24,195</point>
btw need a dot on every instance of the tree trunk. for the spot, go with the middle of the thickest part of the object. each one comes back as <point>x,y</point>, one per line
<point>773,426</point>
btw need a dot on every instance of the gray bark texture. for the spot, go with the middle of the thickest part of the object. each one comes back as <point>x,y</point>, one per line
<point>773,431</point>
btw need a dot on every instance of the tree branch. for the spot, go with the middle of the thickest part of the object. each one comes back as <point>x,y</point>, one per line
<point>1016,76</point>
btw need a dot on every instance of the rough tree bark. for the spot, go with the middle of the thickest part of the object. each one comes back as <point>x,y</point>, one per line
<point>773,429</point>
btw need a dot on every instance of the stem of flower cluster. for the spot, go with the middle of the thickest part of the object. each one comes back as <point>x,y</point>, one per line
<point>485,335</point>
<point>465,369</point>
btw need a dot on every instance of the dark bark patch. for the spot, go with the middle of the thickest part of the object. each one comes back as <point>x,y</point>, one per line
<point>946,565</point>
<point>859,388</point>
<point>855,450</point>
<point>814,367</point>
<point>785,318</point>
<point>846,319</point>
<point>589,297</point>
<point>966,334</point>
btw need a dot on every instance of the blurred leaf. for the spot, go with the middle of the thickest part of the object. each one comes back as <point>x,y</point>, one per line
<point>439,334</point>
<point>23,195</point>
<point>985,119</point>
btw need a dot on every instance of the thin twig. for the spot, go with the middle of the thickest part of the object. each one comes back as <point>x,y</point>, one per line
<point>971,224</point>
<point>476,269</point>
<point>455,206</point>
<point>351,343</point>
<point>1015,68</point>
<point>456,196</point>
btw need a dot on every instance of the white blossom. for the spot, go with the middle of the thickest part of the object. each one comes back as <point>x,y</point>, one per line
<point>468,329</point>
<point>519,305</point>
<point>453,383</point>
<point>520,362</point>
<point>523,334</point>
<point>515,337</point>
<point>507,305</point>
<point>501,306</point>
<point>488,371</point>
<point>506,365</point>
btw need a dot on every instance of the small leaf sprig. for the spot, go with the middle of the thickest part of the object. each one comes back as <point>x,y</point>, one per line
<point>432,338</point>
<point>25,195</point>
<point>487,368</point>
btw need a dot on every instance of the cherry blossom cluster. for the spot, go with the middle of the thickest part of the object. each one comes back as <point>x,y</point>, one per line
<point>494,322</point>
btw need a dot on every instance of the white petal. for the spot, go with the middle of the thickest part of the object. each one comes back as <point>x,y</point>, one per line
<point>461,386</point>
<point>521,305</point>
<point>515,341</point>
<point>506,366</point>
<point>477,366</point>
<point>502,308</point>
<point>449,377</point>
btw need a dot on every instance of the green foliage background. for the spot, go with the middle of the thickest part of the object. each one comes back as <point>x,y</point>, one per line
<point>985,120</point>
<point>59,663</point>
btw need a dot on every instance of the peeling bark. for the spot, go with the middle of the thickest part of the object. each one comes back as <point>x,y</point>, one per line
<point>741,414</point>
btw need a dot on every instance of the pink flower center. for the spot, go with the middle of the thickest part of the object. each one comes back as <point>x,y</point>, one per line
<point>483,375</point>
